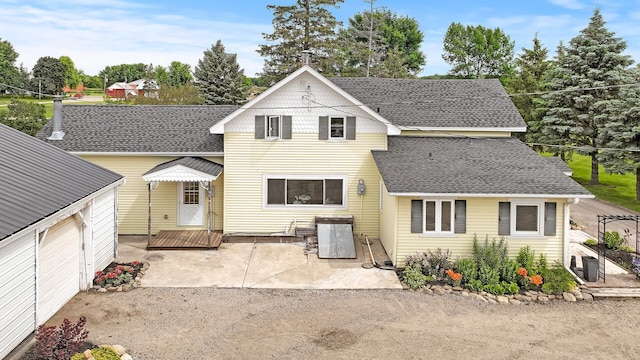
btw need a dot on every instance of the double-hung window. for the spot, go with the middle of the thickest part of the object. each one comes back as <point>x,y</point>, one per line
<point>305,191</point>
<point>436,216</point>
<point>337,128</point>
<point>527,218</point>
<point>272,127</point>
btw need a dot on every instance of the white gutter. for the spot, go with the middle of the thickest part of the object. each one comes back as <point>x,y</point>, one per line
<point>535,196</point>
<point>125,153</point>
<point>474,129</point>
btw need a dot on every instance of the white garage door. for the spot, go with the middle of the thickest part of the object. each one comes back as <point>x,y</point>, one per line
<point>59,268</point>
<point>17,291</point>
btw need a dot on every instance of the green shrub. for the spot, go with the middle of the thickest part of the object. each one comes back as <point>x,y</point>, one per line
<point>488,275</point>
<point>542,263</point>
<point>493,254</point>
<point>436,263</point>
<point>413,276</point>
<point>510,272</point>
<point>591,242</point>
<point>468,268</point>
<point>613,240</point>
<point>626,248</point>
<point>495,289</point>
<point>474,285</point>
<point>510,288</point>
<point>557,280</point>
<point>527,259</point>
<point>101,353</point>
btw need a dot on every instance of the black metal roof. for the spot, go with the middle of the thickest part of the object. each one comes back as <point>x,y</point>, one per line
<point>195,163</point>
<point>38,179</point>
<point>462,103</point>
<point>459,165</point>
<point>139,128</point>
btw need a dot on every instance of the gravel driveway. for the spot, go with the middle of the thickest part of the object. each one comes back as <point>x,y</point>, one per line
<point>210,323</point>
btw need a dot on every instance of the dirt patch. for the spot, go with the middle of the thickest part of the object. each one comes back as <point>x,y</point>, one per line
<point>332,339</point>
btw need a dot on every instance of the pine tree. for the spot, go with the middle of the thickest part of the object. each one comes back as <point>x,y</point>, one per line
<point>219,78</point>
<point>622,133</point>
<point>593,60</point>
<point>532,69</point>
<point>306,25</point>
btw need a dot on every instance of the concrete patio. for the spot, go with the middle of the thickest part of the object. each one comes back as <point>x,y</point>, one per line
<point>248,265</point>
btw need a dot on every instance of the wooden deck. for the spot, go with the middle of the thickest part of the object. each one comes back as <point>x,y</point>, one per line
<point>184,240</point>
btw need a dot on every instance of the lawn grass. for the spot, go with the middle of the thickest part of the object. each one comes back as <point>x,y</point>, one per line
<point>614,188</point>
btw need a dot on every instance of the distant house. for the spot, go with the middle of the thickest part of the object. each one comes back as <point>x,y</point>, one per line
<point>58,225</point>
<point>121,90</point>
<point>421,164</point>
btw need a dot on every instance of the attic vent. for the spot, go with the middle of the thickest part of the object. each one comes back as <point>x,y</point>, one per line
<point>302,85</point>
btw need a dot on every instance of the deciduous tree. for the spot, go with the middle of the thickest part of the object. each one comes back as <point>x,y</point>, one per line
<point>71,76</point>
<point>477,51</point>
<point>592,65</point>
<point>10,74</point>
<point>219,77</point>
<point>118,73</point>
<point>25,116</point>
<point>48,76</point>
<point>395,38</point>
<point>305,25</point>
<point>180,73</point>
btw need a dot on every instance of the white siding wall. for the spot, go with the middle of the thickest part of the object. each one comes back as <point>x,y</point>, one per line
<point>247,160</point>
<point>104,230</point>
<point>17,291</point>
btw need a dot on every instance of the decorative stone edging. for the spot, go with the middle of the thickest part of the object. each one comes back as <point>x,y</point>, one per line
<point>118,349</point>
<point>529,296</point>
<point>125,287</point>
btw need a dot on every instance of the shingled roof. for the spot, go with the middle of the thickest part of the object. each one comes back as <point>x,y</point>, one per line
<point>479,166</point>
<point>424,103</point>
<point>38,179</point>
<point>140,128</point>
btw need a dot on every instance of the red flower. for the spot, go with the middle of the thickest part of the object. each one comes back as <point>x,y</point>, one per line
<point>522,272</point>
<point>536,279</point>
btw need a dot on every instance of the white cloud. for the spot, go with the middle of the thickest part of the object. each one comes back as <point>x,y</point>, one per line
<point>569,4</point>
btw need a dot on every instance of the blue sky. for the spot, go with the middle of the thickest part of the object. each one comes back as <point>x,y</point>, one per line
<point>98,33</point>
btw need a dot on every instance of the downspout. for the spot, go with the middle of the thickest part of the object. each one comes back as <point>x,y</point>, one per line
<point>567,228</point>
<point>149,218</point>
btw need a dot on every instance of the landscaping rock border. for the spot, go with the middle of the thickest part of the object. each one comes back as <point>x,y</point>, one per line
<point>581,293</point>
<point>124,287</point>
<point>118,349</point>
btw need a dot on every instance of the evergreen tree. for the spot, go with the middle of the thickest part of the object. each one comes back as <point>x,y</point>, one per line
<point>594,61</point>
<point>530,76</point>
<point>219,78</point>
<point>477,51</point>
<point>622,132</point>
<point>394,38</point>
<point>305,25</point>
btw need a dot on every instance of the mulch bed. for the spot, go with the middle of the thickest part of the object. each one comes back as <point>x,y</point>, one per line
<point>620,257</point>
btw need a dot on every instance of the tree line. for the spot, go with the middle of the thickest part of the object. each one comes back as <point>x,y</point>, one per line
<point>585,99</point>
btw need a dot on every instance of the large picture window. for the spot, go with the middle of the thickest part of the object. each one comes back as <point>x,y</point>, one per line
<point>305,191</point>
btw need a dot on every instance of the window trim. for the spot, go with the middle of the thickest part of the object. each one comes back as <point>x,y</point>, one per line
<point>313,207</point>
<point>330,136</point>
<point>267,127</point>
<point>438,217</point>
<point>540,204</point>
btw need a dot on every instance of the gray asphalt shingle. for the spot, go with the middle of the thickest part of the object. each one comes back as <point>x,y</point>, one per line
<point>140,128</point>
<point>459,165</point>
<point>38,179</point>
<point>477,103</point>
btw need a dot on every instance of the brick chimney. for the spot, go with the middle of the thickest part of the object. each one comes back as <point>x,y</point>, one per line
<point>57,133</point>
<point>306,57</point>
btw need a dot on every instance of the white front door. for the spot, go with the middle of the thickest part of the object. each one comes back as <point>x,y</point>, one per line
<point>190,204</point>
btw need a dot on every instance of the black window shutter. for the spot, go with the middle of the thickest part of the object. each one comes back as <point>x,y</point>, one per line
<point>286,127</point>
<point>504,221</point>
<point>260,120</point>
<point>323,128</point>
<point>549,219</point>
<point>460,221</point>
<point>351,128</point>
<point>416,216</point>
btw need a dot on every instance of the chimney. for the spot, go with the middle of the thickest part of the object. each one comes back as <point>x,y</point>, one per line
<point>306,57</point>
<point>57,133</point>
